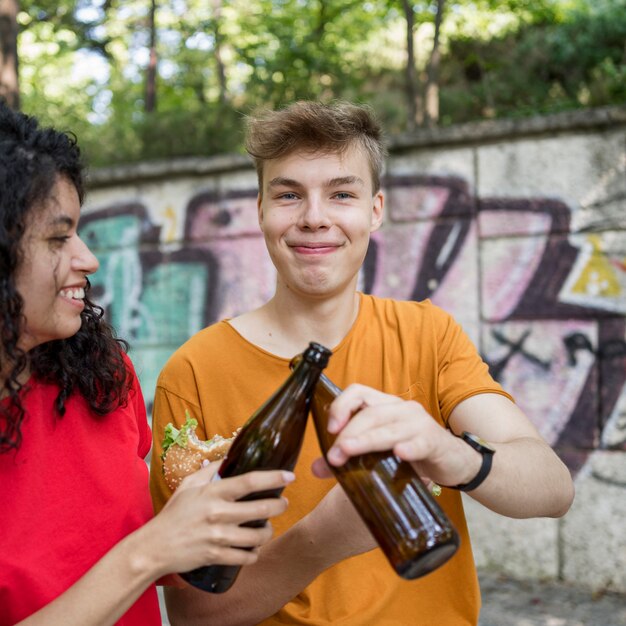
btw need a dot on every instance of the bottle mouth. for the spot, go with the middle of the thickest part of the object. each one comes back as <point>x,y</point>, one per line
<point>315,353</point>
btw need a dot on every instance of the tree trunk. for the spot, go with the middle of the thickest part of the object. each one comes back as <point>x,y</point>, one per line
<point>9,84</point>
<point>151,71</point>
<point>431,117</point>
<point>413,104</point>
<point>219,63</point>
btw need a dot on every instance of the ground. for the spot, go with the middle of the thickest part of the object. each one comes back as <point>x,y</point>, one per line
<point>507,602</point>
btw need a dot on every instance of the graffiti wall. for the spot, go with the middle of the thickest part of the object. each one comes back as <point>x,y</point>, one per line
<point>521,237</point>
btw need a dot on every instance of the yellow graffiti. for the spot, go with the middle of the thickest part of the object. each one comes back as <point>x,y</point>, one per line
<point>598,277</point>
<point>169,223</point>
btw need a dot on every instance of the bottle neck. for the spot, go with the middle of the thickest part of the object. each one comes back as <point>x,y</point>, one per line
<point>325,392</point>
<point>307,373</point>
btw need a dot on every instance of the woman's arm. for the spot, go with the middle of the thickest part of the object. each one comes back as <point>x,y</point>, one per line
<point>199,524</point>
<point>330,533</point>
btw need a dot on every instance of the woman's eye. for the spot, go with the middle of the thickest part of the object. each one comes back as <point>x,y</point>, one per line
<point>60,240</point>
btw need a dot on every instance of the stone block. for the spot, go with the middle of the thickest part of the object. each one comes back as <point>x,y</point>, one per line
<point>420,197</point>
<point>597,278</point>
<point>539,277</point>
<point>453,161</point>
<point>148,362</point>
<point>593,537</point>
<point>246,277</point>
<point>555,385</point>
<point>522,548</point>
<point>222,214</point>
<point>571,168</point>
<point>429,260</point>
<point>506,217</point>
<point>508,269</point>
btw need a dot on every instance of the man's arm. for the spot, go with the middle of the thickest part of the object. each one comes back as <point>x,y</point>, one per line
<point>332,532</point>
<point>527,478</point>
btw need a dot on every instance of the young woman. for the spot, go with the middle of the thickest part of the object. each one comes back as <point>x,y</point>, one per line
<point>78,540</point>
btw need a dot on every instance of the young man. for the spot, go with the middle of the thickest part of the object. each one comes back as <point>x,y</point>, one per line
<point>418,380</point>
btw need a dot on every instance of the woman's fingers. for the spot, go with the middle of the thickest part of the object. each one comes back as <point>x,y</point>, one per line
<point>242,537</point>
<point>229,512</point>
<point>206,520</point>
<point>237,487</point>
<point>234,556</point>
<point>202,476</point>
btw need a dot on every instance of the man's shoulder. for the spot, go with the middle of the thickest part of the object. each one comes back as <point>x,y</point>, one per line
<point>213,339</point>
<point>411,308</point>
<point>404,320</point>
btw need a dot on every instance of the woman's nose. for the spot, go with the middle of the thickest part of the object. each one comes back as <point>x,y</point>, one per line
<point>84,259</point>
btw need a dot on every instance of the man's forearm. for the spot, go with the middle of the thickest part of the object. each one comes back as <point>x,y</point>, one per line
<point>260,590</point>
<point>527,480</point>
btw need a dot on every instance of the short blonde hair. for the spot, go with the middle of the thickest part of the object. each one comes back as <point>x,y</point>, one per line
<point>316,127</point>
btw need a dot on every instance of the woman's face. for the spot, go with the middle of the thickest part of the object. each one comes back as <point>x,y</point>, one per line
<point>52,276</point>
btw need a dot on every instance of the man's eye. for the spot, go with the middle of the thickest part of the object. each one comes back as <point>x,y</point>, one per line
<point>288,196</point>
<point>343,195</point>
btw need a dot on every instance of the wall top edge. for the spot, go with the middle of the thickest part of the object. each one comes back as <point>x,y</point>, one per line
<point>130,173</point>
<point>469,133</point>
<point>490,130</point>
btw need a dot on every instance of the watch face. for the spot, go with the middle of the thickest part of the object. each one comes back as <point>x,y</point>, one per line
<point>477,441</point>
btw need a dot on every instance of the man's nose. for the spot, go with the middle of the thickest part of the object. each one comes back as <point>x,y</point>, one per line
<point>314,214</point>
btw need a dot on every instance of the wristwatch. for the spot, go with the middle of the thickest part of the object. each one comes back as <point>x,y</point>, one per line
<point>487,451</point>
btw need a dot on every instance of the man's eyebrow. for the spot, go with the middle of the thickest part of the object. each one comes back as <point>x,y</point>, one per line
<point>345,180</point>
<point>280,181</point>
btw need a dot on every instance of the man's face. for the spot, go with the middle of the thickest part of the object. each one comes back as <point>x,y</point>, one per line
<point>316,212</point>
<point>52,275</point>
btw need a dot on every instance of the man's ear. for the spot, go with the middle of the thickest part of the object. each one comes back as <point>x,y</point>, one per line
<point>259,208</point>
<point>377,211</point>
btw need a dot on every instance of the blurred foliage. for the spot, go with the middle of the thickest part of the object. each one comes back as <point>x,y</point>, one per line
<point>557,62</point>
<point>82,64</point>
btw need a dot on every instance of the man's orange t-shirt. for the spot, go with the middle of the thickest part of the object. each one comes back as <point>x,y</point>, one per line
<point>409,349</point>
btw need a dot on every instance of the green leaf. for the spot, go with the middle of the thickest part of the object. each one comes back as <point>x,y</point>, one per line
<point>174,436</point>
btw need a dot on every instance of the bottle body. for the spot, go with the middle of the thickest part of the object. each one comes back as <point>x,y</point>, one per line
<point>270,439</point>
<point>412,530</point>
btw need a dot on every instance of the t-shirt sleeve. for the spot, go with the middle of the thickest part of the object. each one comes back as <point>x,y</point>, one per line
<point>462,373</point>
<point>136,401</point>
<point>169,407</point>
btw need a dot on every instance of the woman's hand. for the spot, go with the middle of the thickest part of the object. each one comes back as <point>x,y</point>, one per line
<point>202,522</point>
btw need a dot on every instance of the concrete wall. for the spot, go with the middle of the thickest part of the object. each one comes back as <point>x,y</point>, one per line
<point>517,228</point>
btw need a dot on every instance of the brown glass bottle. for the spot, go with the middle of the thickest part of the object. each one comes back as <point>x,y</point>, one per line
<point>414,533</point>
<point>270,439</point>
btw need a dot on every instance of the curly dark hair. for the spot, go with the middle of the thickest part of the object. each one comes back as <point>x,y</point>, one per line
<point>91,363</point>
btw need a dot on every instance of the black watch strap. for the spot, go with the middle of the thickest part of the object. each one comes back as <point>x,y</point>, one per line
<point>487,453</point>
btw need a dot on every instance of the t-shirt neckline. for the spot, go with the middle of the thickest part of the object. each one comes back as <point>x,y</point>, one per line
<point>338,348</point>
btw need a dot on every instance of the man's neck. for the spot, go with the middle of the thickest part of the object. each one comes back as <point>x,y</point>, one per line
<point>286,324</point>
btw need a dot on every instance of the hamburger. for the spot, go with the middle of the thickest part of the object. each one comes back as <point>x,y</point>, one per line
<point>184,453</point>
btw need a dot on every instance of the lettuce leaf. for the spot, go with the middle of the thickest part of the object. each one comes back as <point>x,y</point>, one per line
<point>175,436</point>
